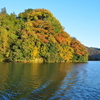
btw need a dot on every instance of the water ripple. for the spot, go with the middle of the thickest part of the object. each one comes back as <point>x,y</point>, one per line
<point>63,81</point>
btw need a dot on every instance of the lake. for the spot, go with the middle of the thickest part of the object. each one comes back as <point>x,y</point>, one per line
<point>50,81</point>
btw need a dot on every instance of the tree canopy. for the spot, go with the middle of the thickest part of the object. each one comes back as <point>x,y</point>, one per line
<point>36,35</point>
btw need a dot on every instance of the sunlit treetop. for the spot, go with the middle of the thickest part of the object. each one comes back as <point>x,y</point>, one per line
<point>41,14</point>
<point>35,14</point>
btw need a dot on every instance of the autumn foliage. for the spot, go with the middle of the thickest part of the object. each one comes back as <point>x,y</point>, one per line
<point>36,35</point>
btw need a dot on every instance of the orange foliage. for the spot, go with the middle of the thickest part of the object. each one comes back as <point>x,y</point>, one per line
<point>79,48</point>
<point>43,38</point>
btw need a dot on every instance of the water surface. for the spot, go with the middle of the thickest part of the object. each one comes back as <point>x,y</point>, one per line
<point>54,81</point>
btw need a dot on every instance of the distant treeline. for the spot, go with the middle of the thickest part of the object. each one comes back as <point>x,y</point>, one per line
<point>36,35</point>
<point>94,53</point>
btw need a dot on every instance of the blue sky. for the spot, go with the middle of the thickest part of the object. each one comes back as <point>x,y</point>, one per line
<point>81,18</point>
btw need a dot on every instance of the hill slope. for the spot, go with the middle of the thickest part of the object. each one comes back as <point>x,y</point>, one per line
<point>36,35</point>
<point>94,53</point>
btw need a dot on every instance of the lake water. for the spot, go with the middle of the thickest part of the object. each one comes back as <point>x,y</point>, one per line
<point>54,81</point>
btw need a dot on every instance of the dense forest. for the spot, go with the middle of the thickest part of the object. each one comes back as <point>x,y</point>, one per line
<point>36,35</point>
<point>94,53</point>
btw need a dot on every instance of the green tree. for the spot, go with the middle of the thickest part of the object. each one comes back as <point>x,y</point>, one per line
<point>3,11</point>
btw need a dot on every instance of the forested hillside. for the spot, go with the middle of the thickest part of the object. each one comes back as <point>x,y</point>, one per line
<point>94,53</point>
<point>36,35</point>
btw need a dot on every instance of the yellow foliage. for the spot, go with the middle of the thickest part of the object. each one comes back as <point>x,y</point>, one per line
<point>51,37</point>
<point>66,53</point>
<point>35,52</point>
<point>4,39</point>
